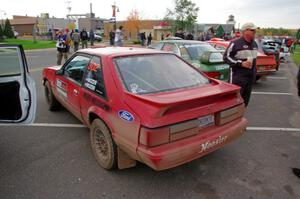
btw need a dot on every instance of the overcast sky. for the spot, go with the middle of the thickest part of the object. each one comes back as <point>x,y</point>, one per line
<point>264,13</point>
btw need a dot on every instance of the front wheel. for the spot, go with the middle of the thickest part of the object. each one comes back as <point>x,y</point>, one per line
<point>103,146</point>
<point>53,104</point>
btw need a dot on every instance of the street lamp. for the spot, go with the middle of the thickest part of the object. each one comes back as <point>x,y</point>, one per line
<point>115,9</point>
<point>4,13</point>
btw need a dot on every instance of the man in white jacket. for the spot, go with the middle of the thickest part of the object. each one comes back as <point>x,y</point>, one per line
<point>119,37</point>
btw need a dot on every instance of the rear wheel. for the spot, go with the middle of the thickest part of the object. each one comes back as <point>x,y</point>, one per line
<point>53,104</point>
<point>103,146</point>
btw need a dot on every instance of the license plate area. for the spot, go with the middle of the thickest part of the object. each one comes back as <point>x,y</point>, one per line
<point>206,121</point>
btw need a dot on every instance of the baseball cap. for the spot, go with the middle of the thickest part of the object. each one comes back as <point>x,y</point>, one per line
<point>249,26</point>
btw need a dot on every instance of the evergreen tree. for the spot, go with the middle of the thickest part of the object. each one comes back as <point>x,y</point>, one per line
<point>8,32</point>
<point>1,33</point>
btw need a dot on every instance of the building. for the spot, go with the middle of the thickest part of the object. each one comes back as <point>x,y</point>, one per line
<point>24,25</point>
<point>157,28</point>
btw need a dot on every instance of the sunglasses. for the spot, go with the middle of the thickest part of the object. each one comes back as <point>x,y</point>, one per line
<point>252,30</point>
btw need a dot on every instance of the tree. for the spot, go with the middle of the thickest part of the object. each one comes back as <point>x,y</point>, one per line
<point>133,22</point>
<point>183,16</point>
<point>1,33</point>
<point>8,32</point>
<point>298,34</point>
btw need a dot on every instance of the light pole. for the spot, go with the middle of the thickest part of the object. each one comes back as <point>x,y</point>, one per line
<point>115,9</point>
<point>4,13</point>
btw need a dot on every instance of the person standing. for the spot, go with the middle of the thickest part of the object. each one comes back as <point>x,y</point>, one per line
<point>143,38</point>
<point>92,37</point>
<point>111,38</point>
<point>84,38</point>
<point>76,40</point>
<point>119,36</point>
<point>149,39</point>
<point>62,46</point>
<point>241,55</point>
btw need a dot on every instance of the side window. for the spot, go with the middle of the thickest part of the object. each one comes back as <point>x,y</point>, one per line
<point>171,48</point>
<point>76,67</point>
<point>93,78</point>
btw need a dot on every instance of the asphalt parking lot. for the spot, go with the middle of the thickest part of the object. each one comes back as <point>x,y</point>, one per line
<point>52,158</point>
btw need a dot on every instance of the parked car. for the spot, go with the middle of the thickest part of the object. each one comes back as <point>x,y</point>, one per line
<point>145,105</point>
<point>17,89</point>
<point>199,54</point>
<point>97,37</point>
<point>265,64</point>
<point>270,47</point>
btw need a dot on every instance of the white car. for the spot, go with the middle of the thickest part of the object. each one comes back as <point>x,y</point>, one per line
<point>17,89</point>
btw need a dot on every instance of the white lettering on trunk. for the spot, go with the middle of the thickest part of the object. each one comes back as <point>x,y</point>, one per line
<point>210,144</point>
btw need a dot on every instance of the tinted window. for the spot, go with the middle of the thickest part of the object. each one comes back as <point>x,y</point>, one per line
<point>76,67</point>
<point>93,79</point>
<point>9,62</point>
<point>157,73</point>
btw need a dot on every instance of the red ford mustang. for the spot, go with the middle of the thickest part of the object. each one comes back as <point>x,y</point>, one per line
<point>145,105</point>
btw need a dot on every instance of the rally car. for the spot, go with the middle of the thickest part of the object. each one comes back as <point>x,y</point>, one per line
<point>265,64</point>
<point>199,54</point>
<point>145,105</point>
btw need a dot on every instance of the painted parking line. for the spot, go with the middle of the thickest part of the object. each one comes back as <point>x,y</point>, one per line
<point>60,125</point>
<point>271,93</point>
<point>272,129</point>
<point>281,78</point>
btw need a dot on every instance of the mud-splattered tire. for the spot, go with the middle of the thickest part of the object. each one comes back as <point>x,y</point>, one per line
<point>103,146</point>
<point>53,104</point>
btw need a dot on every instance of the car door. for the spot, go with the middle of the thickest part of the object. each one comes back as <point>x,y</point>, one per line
<point>17,89</point>
<point>93,88</point>
<point>72,78</point>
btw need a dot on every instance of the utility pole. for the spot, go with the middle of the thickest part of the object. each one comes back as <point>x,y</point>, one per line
<point>115,9</point>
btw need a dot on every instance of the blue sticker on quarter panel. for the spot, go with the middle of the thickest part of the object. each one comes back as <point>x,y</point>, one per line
<point>126,116</point>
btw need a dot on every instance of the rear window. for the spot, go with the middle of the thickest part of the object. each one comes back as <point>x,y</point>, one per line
<point>157,73</point>
<point>196,50</point>
<point>9,62</point>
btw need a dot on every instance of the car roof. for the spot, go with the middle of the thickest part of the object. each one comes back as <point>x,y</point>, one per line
<point>183,41</point>
<point>120,51</point>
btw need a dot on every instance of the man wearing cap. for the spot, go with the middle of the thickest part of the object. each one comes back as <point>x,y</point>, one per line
<point>241,56</point>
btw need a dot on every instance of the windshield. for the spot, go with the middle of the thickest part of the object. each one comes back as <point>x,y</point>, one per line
<point>157,73</point>
<point>196,50</point>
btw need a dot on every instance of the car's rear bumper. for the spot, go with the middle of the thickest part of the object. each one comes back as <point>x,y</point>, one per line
<point>182,151</point>
<point>265,72</point>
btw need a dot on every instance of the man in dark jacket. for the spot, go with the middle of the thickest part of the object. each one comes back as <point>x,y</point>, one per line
<point>241,56</point>
<point>84,38</point>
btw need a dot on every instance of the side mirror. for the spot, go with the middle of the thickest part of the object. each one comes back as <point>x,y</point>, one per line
<point>18,97</point>
<point>59,72</point>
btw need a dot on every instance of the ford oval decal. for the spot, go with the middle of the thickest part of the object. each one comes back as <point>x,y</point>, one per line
<point>125,115</point>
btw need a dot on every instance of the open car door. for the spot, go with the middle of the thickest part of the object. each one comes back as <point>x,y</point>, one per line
<point>17,88</point>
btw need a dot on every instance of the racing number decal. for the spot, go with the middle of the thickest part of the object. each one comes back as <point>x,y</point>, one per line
<point>61,88</point>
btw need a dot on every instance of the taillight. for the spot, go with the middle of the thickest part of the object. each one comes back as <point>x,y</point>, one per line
<point>154,137</point>
<point>215,75</point>
<point>230,114</point>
